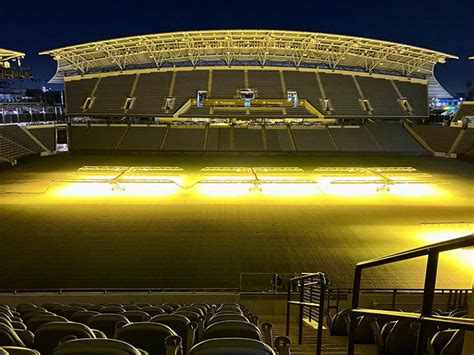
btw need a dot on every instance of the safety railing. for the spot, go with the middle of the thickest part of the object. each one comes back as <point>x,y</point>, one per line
<point>425,318</point>
<point>448,298</point>
<point>311,290</point>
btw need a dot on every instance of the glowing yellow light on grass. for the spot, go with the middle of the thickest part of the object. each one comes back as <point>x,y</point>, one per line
<point>435,233</point>
<point>290,190</point>
<point>117,191</point>
<point>224,190</point>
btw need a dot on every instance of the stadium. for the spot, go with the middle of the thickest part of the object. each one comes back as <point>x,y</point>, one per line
<point>220,192</point>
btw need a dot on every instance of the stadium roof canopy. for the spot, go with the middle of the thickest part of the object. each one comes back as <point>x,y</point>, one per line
<point>6,55</point>
<point>246,47</point>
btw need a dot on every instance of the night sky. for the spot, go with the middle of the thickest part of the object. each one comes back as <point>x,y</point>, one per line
<point>447,26</point>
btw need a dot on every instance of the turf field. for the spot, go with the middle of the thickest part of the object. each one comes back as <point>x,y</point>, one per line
<point>50,238</point>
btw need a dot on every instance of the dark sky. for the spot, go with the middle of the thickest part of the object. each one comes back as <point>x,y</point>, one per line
<point>446,26</point>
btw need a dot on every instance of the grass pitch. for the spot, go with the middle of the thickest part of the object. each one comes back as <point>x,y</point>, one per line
<point>193,240</point>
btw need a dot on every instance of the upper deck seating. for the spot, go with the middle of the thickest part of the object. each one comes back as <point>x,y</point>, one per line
<point>343,93</point>
<point>382,96</point>
<point>76,93</point>
<point>306,85</point>
<point>111,94</point>
<point>187,84</point>
<point>151,91</point>
<point>267,83</point>
<point>465,110</point>
<point>10,150</point>
<point>226,83</point>
<point>417,96</point>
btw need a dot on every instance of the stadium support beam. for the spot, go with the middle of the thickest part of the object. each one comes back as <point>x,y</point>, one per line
<point>7,55</point>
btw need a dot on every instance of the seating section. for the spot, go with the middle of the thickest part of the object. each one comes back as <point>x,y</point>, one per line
<point>382,96</point>
<point>465,110</point>
<point>175,328</point>
<point>227,83</point>
<point>219,139</point>
<point>16,134</point>
<point>10,150</point>
<point>111,95</point>
<point>267,83</point>
<point>417,96</point>
<point>187,84</point>
<point>279,139</point>
<point>313,140</point>
<point>373,137</point>
<point>185,139</point>
<point>76,93</point>
<point>393,137</point>
<point>248,139</point>
<point>439,138</point>
<point>151,91</point>
<point>343,93</point>
<point>46,135</point>
<point>16,144</point>
<point>143,138</point>
<point>306,85</point>
<point>466,145</point>
<point>354,139</point>
<point>98,137</point>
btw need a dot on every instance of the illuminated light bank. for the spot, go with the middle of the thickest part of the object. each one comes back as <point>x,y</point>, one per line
<point>348,182</point>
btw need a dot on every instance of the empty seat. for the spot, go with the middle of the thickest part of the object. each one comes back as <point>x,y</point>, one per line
<point>112,309</point>
<point>182,326</point>
<point>16,350</point>
<point>48,335</point>
<point>219,317</point>
<point>96,347</point>
<point>338,322</point>
<point>149,336</point>
<point>106,323</point>
<point>36,321</point>
<point>8,336</point>
<point>232,329</point>
<point>402,339</point>
<point>152,311</point>
<point>136,316</point>
<point>231,346</point>
<point>83,316</point>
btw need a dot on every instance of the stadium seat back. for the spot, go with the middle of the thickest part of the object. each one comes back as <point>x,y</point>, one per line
<point>232,329</point>
<point>148,336</point>
<point>49,335</point>
<point>16,350</point>
<point>455,344</point>
<point>180,325</point>
<point>136,316</point>
<point>35,322</point>
<point>96,347</point>
<point>219,317</point>
<point>152,311</point>
<point>401,339</point>
<point>8,337</point>
<point>83,316</point>
<point>107,323</point>
<point>231,346</point>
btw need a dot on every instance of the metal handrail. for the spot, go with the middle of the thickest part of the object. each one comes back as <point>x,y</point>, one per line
<point>425,318</point>
<point>321,280</point>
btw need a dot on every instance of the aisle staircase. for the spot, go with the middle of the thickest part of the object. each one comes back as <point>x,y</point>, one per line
<point>332,345</point>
